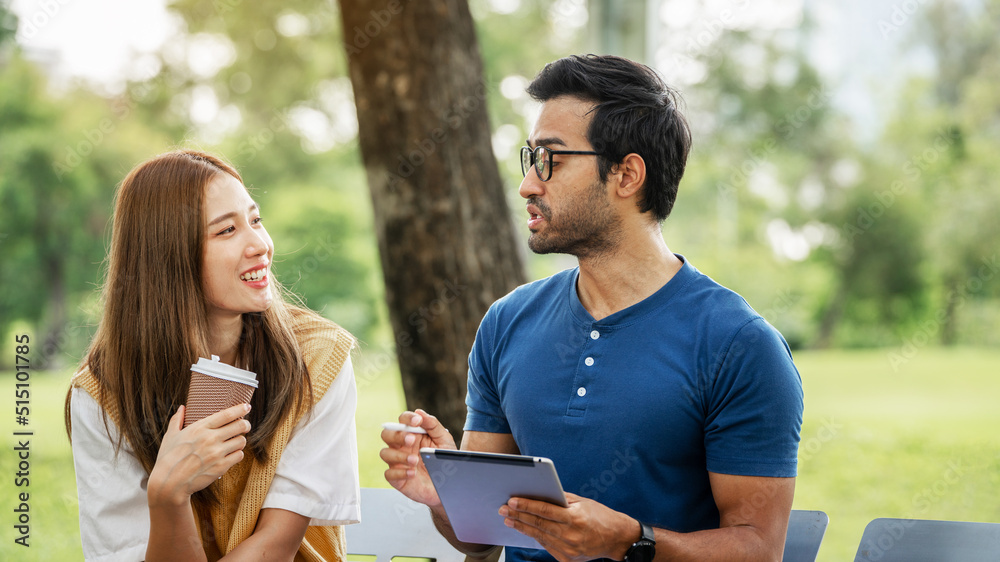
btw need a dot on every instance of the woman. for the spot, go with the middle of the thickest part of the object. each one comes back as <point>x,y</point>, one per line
<point>189,276</point>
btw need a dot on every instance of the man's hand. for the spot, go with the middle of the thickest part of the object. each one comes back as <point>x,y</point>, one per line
<point>583,531</point>
<point>406,471</point>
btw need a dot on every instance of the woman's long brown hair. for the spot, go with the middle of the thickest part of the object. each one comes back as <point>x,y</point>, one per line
<point>154,324</point>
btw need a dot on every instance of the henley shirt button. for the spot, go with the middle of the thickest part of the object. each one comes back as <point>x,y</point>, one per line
<point>589,361</point>
<point>581,392</point>
<point>594,335</point>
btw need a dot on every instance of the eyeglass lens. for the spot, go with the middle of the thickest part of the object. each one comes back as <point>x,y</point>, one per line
<point>539,157</point>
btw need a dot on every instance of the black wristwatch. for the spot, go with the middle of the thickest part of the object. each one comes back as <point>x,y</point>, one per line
<point>644,549</point>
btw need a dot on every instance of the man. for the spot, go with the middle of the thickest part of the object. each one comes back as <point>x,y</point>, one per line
<point>670,408</point>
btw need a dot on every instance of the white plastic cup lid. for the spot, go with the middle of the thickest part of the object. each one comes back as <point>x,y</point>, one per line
<point>215,368</point>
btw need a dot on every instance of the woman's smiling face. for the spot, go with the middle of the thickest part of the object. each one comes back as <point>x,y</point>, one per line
<point>238,251</point>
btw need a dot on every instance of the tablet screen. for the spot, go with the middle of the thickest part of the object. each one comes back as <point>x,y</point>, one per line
<point>473,485</point>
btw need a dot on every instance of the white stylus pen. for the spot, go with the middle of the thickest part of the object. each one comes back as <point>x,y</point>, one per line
<point>393,426</point>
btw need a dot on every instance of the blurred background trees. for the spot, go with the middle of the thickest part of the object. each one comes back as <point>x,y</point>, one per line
<point>842,229</point>
<point>61,155</point>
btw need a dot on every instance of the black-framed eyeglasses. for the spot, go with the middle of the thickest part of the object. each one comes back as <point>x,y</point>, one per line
<point>541,158</point>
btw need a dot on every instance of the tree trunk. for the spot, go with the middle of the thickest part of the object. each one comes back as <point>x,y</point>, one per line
<point>949,324</point>
<point>55,320</point>
<point>445,237</point>
<point>832,314</point>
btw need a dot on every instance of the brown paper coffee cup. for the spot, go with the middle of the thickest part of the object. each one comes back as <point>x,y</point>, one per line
<point>216,386</point>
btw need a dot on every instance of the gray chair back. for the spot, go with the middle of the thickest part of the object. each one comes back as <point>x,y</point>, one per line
<point>394,525</point>
<point>805,534</point>
<point>921,540</point>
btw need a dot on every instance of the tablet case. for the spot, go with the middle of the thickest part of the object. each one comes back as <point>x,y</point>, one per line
<point>473,485</point>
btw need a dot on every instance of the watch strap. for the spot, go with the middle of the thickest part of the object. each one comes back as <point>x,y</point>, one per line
<point>647,533</point>
<point>644,549</point>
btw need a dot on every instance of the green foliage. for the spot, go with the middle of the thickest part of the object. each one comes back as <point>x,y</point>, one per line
<point>8,28</point>
<point>324,252</point>
<point>771,155</point>
<point>62,157</point>
<point>881,262</point>
<point>904,229</point>
<point>941,142</point>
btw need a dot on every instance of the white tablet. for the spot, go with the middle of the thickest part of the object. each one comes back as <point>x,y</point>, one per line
<point>473,485</point>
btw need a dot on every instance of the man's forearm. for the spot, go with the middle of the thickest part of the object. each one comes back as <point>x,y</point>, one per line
<point>444,527</point>
<point>740,542</point>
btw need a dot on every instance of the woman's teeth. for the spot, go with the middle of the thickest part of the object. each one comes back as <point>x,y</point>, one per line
<point>254,275</point>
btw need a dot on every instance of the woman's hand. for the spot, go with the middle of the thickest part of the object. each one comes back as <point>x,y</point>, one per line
<point>191,458</point>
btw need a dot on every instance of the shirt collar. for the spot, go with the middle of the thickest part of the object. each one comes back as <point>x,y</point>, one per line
<point>639,310</point>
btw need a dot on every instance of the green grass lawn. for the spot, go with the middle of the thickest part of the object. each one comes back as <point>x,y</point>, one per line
<point>918,441</point>
<point>911,440</point>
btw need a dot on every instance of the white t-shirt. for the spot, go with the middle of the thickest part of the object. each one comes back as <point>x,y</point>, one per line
<point>317,474</point>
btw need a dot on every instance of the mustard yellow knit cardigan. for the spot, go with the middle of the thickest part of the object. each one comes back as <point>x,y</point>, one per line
<point>325,348</point>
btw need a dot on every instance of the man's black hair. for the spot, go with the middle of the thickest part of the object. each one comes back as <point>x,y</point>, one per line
<point>635,112</point>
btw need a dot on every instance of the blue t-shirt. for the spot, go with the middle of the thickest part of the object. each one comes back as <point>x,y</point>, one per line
<point>637,408</point>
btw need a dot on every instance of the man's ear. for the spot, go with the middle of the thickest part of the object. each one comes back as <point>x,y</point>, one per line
<point>632,173</point>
